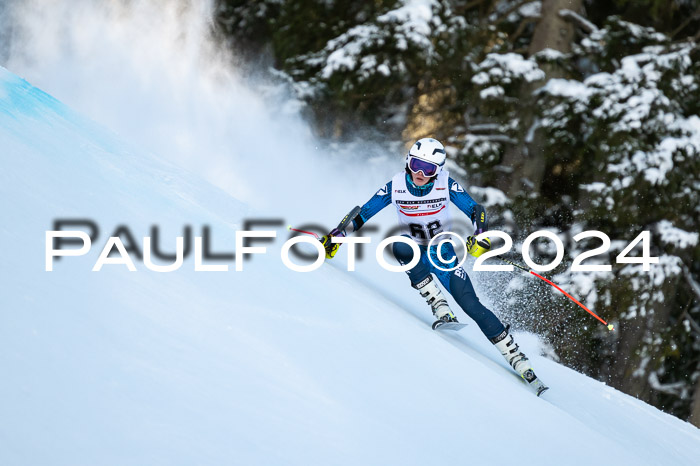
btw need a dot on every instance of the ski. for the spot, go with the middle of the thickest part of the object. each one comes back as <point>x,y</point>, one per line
<point>529,376</point>
<point>442,325</point>
<point>534,382</point>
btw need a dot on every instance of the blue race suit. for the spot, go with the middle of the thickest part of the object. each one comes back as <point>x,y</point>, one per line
<point>456,281</point>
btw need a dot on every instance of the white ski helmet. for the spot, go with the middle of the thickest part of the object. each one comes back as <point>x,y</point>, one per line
<point>427,155</point>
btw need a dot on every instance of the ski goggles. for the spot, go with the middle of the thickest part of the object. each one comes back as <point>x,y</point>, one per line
<point>418,165</point>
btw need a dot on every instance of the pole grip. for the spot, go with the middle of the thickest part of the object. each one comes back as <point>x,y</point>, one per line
<point>349,217</point>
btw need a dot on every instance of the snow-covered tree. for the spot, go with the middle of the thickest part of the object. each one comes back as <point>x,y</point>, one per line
<point>567,115</point>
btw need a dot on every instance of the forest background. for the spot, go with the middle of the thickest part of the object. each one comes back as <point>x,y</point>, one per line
<point>563,115</point>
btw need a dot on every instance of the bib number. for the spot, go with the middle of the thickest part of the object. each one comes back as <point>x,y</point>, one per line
<point>421,231</point>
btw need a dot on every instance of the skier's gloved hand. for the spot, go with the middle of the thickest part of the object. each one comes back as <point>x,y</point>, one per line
<point>477,248</point>
<point>330,247</point>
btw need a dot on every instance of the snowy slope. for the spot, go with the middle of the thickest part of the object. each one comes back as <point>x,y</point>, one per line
<point>264,366</point>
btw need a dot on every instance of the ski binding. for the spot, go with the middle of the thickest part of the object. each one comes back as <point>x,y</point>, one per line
<point>442,325</point>
<point>534,382</point>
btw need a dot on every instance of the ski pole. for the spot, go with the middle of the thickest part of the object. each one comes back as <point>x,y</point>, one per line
<point>610,326</point>
<point>524,269</point>
<point>341,226</point>
<point>307,232</point>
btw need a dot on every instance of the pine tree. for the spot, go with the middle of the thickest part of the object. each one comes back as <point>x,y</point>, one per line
<point>569,115</point>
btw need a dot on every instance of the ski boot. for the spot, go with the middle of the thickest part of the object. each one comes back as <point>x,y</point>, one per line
<point>517,360</point>
<point>433,296</point>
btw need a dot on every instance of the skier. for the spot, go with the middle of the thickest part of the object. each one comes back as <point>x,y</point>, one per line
<point>420,195</point>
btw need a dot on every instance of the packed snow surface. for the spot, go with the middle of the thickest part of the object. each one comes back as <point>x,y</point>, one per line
<point>261,366</point>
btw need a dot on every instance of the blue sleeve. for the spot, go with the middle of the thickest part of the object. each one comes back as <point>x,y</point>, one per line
<point>461,199</point>
<point>381,199</point>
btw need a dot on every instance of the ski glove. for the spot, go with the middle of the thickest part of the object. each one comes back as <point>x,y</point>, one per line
<point>477,248</point>
<point>331,248</point>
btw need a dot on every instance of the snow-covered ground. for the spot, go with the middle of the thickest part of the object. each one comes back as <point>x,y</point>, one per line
<point>263,366</point>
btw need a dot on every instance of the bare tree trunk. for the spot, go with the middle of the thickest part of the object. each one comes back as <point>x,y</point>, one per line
<point>552,30</point>
<point>695,409</point>
<point>523,165</point>
<point>428,116</point>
